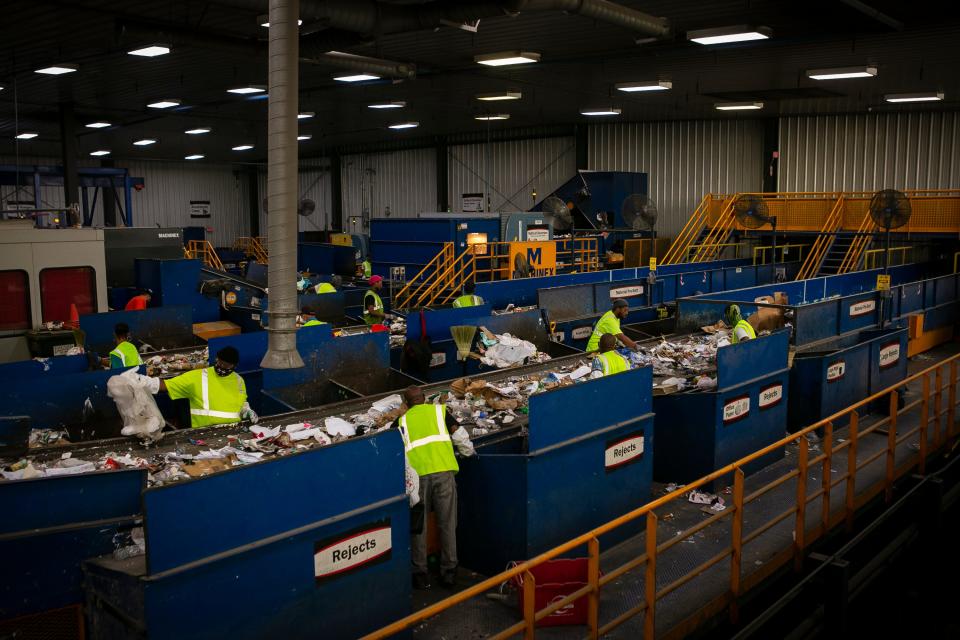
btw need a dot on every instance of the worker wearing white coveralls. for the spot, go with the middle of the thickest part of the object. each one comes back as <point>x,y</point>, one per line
<point>429,434</point>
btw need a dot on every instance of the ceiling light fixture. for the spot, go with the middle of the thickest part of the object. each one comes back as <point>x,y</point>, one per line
<point>194,156</point>
<point>253,88</point>
<point>100,152</point>
<point>242,147</point>
<point>26,135</point>
<point>198,131</point>
<point>737,106</point>
<point>305,115</point>
<point>152,51</point>
<point>926,96</point>
<point>165,104</point>
<point>724,35</point>
<point>359,77</point>
<point>394,104</point>
<point>493,116</point>
<point>144,142</point>
<point>304,137</point>
<point>505,58</point>
<point>404,125</point>
<point>650,85</point>
<point>501,95</point>
<point>58,69</point>
<point>98,125</point>
<point>840,73</point>
<point>600,111</point>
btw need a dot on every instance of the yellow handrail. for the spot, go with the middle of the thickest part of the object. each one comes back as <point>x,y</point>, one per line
<point>762,251</point>
<point>251,247</point>
<point>412,288</point>
<point>690,231</point>
<point>860,242</point>
<point>929,408</point>
<point>718,232</point>
<point>822,244</point>
<point>202,250</point>
<point>869,261</point>
<point>722,245</point>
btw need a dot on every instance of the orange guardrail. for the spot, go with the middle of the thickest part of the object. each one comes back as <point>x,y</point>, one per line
<point>252,248</point>
<point>931,411</point>
<point>718,233</point>
<point>863,239</point>
<point>679,249</point>
<point>822,244</point>
<point>415,287</point>
<point>202,250</point>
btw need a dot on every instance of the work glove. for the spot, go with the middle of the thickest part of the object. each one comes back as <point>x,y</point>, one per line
<point>246,413</point>
<point>463,443</point>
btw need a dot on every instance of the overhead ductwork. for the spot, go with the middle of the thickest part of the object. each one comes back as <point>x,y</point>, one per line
<point>606,11</point>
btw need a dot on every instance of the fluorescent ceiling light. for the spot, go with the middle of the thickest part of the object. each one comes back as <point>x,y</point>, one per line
<point>253,88</point>
<point>650,85</point>
<point>98,125</point>
<point>27,135</point>
<point>404,125</point>
<point>723,35</point>
<point>395,104</point>
<point>927,96</point>
<point>501,95</point>
<point>164,104</point>
<point>152,51</point>
<point>198,131</point>
<point>737,106</point>
<point>266,23</point>
<point>58,69</point>
<point>1,87</point>
<point>242,147</point>
<point>840,73</point>
<point>303,137</point>
<point>100,152</point>
<point>600,111</point>
<point>359,77</point>
<point>506,58</point>
<point>195,156</point>
<point>493,116</point>
<point>145,142</point>
<point>305,115</point>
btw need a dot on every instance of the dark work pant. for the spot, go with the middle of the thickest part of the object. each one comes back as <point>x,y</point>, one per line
<point>438,493</point>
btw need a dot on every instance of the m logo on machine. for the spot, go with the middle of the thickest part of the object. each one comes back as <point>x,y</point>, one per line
<point>889,355</point>
<point>770,396</point>
<point>623,451</point>
<point>581,333</point>
<point>862,308</point>
<point>626,292</point>
<point>736,409</point>
<point>836,370</point>
<point>368,544</point>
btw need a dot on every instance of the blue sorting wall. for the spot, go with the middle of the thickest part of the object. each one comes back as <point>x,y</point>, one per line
<point>413,242</point>
<point>174,283</point>
<point>577,468</point>
<point>166,327</point>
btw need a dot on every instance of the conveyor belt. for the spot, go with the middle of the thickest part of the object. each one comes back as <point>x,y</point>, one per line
<point>481,617</point>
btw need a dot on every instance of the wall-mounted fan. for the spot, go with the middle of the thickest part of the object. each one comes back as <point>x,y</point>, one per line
<point>555,210</point>
<point>751,213</point>
<point>889,209</point>
<point>639,212</point>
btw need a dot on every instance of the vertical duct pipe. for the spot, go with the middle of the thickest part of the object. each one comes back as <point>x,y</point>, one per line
<point>282,186</point>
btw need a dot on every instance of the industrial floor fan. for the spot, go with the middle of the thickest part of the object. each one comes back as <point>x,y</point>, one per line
<point>889,209</point>
<point>751,212</point>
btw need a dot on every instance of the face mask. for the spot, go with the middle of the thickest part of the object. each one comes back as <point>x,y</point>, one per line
<point>222,371</point>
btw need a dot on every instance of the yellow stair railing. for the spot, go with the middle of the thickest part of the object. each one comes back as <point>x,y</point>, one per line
<point>425,278</point>
<point>202,250</point>
<point>821,245</point>
<point>710,248</point>
<point>691,231</point>
<point>863,239</point>
<point>252,247</point>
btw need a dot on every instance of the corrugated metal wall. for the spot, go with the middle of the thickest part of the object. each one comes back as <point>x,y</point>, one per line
<point>314,185</point>
<point>508,172</point>
<point>403,182</point>
<point>684,160</point>
<point>870,152</point>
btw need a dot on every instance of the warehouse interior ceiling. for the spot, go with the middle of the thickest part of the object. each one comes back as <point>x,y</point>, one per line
<point>219,45</point>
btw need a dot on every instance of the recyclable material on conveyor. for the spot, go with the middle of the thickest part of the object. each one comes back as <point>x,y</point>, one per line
<point>170,363</point>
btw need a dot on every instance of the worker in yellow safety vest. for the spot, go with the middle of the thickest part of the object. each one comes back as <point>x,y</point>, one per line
<point>366,268</point>
<point>608,361</point>
<point>740,329</point>
<point>609,323</point>
<point>372,303</point>
<point>328,287</point>
<point>217,394</point>
<point>468,299</point>
<point>124,354</point>
<point>429,434</point>
<point>309,318</point>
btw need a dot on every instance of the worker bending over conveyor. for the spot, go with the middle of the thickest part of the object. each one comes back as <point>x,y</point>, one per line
<point>608,361</point>
<point>740,329</point>
<point>217,394</point>
<point>309,318</point>
<point>124,354</point>
<point>372,304</point>
<point>468,299</point>
<point>329,287</point>
<point>429,433</point>
<point>609,323</point>
<point>139,302</point>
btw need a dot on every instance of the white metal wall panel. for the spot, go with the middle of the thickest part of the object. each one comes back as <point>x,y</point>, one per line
<point>870,152</point>
<point>684,160</point>
<point>401,182</point>
<point>314,185</point>
<point>509,172</point>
